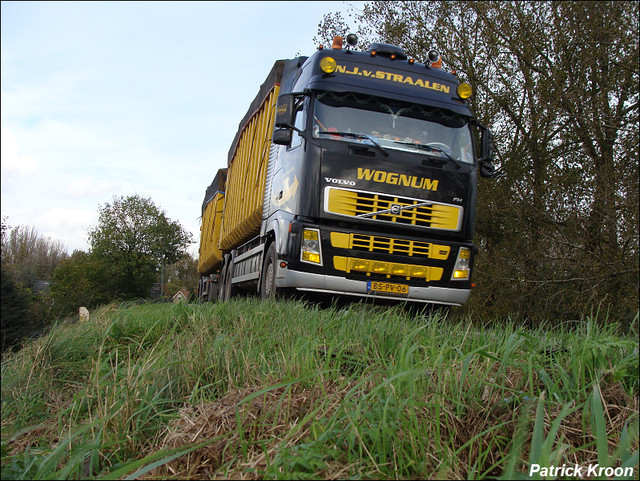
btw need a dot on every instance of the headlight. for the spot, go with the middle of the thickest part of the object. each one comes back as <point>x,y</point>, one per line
<point>462,269</point>
<point>310,250</point>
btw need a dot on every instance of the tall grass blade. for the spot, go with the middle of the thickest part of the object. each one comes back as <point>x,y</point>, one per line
<point>156,459</point>
<point>600,427</point>
<point>538,433</point>
<point>48,465</point>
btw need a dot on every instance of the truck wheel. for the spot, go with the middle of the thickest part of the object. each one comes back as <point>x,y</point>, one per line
<point>213,290</point>
<point>227,290</point>
<point>268,287</point>
<point>223,281</point>
<point>268,282</point>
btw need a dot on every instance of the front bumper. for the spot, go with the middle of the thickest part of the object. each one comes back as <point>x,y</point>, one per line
<point>312,282</point>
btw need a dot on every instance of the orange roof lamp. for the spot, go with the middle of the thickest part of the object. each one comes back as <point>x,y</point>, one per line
<point>352,40</point>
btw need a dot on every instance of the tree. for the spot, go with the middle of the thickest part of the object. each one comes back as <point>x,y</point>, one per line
<point>81,280</point>
<point>15,308</point>
<point>5,227</point>
<point>26,258</point>
<point>558,83</point>
<point>331,25</point>
<point>181,275</point>
<point>132,239</point>
<point>29,257</point>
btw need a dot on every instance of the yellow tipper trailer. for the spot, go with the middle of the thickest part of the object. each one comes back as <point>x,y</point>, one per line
<point>248,159</point>
<point>233,205</point>
<point>210,255</point>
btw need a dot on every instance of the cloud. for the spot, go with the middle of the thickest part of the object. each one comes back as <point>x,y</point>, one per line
<point>66,218</point>
<point>106,99</point>
<point>13,161</point>
<point>89,186</point>
<point>68,225</point>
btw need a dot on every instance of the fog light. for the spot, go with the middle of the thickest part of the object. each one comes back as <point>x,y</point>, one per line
<point>461,274</point>
<point>360,265</point>
<point>419,271</point>
<point>381,267</point>
<point>311,257</point>
<point>400,270</point>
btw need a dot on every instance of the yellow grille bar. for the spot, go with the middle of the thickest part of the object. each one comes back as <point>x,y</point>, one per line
<point>367,266</point>
<point>389,245</point>
<point>389,208</point>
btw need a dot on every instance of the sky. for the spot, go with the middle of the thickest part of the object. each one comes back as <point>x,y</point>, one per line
<point>104,99</point>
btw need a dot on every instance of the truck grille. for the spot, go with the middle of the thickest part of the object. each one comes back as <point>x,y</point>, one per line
<point>389,245</point>
<point>389,208</point>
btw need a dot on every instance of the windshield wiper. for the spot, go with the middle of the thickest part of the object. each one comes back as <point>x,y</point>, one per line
<point>357,135</point>
<point>432,149</point>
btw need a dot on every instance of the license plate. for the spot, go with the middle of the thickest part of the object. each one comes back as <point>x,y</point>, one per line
<point>388,288</point>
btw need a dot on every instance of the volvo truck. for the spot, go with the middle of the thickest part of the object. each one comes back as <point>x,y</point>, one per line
<point>353,173</point>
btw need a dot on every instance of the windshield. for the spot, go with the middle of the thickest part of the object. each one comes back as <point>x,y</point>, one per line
<point>392,124</point>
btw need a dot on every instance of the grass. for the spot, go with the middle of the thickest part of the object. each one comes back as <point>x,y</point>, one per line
<point>284,390</point>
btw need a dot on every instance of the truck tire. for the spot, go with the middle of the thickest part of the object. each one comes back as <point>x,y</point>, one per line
<point>213,291</point>
<point>227,291</point>
<point>268,288</point>
<point>223,281</point>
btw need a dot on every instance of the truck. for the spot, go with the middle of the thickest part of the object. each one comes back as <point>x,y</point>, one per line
<point>353,173</point>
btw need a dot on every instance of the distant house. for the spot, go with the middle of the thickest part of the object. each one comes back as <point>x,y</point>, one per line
<point>41,287</point>
<point>181,296</point>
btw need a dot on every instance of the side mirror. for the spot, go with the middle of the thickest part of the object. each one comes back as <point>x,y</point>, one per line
<point>285,111</point>
<point>487,170</point>
<point>282,136</point>
<point>487,145</point>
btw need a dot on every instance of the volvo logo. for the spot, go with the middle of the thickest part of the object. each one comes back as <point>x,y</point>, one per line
<point>395,209</point>
<point>331,180</point>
